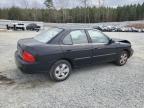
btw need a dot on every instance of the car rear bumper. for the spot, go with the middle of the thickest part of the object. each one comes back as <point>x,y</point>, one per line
<point>30,67</point>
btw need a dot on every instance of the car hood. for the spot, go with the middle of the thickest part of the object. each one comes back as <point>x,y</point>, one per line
<point>121,40</point>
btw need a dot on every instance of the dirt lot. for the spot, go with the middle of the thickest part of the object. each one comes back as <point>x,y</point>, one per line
<point>101,86</point>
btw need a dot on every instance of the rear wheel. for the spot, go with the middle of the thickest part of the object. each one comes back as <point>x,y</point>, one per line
<point>122,58</point>
<point>60,70</point>
<point>7,27</point>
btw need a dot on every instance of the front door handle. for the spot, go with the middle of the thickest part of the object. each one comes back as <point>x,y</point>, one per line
<point>99,48</point>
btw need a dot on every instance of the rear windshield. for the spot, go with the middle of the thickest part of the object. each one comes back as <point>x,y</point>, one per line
<point>20,24</point>
<point>47,35</point>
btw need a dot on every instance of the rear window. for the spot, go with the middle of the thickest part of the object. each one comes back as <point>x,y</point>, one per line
<point>32,25</point>
<point>47,35</point>
<point>20,24</point>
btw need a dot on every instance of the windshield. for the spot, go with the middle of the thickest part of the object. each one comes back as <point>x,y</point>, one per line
<point>47,35</point>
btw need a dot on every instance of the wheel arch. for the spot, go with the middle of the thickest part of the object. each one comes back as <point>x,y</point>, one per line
<point>127,52</point>
<point>70,61</point>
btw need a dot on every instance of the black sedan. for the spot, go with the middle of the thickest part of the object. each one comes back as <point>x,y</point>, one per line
<point>59,50</point>
<point>33,27</point>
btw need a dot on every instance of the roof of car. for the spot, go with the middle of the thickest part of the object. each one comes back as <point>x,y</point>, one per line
<point>72,27</point>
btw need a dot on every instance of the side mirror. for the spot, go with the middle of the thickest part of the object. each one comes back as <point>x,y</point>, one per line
<point>111,41</point>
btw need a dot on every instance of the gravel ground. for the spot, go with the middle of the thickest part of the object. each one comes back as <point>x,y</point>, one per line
<point>100,86</point>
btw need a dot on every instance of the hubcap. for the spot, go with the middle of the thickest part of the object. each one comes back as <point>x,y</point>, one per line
<point>123,58</point>
<point>62,71</point>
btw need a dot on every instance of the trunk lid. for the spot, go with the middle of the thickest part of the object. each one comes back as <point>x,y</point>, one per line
<point>28,42</point>
<point>27,45</point>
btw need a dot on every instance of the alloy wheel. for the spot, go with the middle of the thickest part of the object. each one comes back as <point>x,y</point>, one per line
<point>123,58</point>
<point>62,71</point>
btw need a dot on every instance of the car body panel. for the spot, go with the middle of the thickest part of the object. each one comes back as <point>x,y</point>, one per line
<point>77,54</point>
<point>104,53</point>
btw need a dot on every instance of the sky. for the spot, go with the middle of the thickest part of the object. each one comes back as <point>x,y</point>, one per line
<point>64,3</point>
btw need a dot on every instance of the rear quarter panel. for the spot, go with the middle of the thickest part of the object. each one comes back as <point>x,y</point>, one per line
<point>48,54</point>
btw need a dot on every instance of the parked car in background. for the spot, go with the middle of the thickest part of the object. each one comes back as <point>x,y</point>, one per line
<point>142,30</point>
<point>134,29</point>
<point>10,26</point>
<point>59,50</point>
<point>113,28</point>
<point>118,29</point>
<point>33,27</point>
<point>15,26</point>
<point>19,26</point>
<point>98,28</point>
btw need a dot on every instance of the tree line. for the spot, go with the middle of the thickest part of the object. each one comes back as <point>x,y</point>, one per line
<point>75,15</point>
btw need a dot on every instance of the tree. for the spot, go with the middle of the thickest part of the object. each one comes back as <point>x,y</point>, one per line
<point>14,13</point>
<point>85,4</point>
<point>79,14</point>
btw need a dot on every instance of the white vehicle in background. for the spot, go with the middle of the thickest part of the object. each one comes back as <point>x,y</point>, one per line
<point>142,30</point>
<point>19,26</point>
<point>10,26</point>
<point>16,26</point>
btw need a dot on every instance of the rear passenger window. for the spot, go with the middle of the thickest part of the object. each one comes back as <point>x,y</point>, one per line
<point>67,40</point>
<point>78,37</point>
<point>75,37</point>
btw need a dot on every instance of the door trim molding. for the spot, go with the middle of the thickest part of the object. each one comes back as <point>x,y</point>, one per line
<point>82,58</point>
<point>105,55</point>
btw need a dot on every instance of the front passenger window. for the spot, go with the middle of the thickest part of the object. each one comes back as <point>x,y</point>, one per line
<point>98,37</point>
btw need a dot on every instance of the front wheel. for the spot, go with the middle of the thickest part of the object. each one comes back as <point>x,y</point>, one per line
<point>60,70</point>
<point>122,60</point>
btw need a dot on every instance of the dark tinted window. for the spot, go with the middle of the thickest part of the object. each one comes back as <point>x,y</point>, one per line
<point>20,24</point>
<point>32,24</point>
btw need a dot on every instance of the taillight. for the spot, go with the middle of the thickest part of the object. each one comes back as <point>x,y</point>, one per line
<point>28,57</point>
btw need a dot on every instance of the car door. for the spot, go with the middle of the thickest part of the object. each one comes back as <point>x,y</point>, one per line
<point>77,48</point>
<point>103,49</point>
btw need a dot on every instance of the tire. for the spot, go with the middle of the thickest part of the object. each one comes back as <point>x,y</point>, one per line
<point>14,27</point>
<point>37,30</point>
<point>7,27</point>
<point>122,60</point>
<point>60,70</point>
